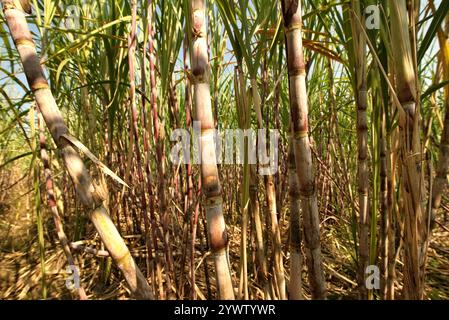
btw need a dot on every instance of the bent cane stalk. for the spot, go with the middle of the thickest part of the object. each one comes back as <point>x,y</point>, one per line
<point>209,172</point>
<point>88,195</point>
<point>291,10</point>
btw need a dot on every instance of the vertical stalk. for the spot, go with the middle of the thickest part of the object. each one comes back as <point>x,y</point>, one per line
<point>134,122</point>
<point>244,124</point>
<point>392,182</point>
<point>360,85</point>
<point>291,11</point>
<point>415,223</point>
<point>295,287</point>
<point>156,131</point>
<point>213,203</point>
<point>154,106</point>
<point>145,134</point>
<point>271,200</point>
<point>194,226</point>
<point>270,189</point>
<point>260,245</point>
<point>384,210</point>
<point>186,200</point>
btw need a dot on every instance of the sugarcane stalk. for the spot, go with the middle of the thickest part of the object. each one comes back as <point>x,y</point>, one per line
<point>415,222</point>
<point>132,39</point>
<point>244,124</point>
<point>87,193</point>
<point>270,188</point>
<point>154,107</point>
<point>156,135</point>
<point>386,222</point>
<point>213,203</point>
<point>291,10</point>
<point>270,191</point>
<point>188,197</point>
<point>361,93</point>
<point>296,260</point>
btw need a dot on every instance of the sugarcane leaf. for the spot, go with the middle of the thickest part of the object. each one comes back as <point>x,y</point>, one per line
<point>60,67</point>
<point>80,146</point>
<point>438,18</point>
<point>20,156</point>
<point>81,41</point>
<point>433,88</point>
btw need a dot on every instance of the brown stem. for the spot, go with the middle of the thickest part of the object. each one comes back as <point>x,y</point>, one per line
<point>213,203</point>
<point>303,153</point>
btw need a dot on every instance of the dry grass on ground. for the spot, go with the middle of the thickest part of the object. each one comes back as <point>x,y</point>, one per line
<point>20,272</point>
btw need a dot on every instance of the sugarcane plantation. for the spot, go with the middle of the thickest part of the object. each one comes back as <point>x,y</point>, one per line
<point>224,150</point>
